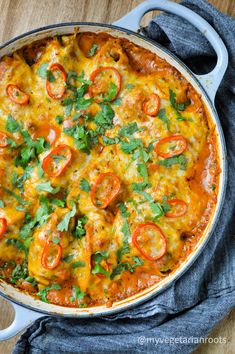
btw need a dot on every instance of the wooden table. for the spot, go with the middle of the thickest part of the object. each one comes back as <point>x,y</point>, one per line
<point>19,16</point>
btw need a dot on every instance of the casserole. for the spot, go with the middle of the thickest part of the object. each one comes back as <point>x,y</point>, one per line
<point>150,292</point>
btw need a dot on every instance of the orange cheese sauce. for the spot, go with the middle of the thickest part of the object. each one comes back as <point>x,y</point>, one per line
<point>80,171</point>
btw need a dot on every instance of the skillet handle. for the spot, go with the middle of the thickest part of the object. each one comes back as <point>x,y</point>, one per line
<point>23,318</point>
<point>210,81</point>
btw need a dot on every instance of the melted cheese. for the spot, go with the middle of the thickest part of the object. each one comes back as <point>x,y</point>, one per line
<point>143,73</point>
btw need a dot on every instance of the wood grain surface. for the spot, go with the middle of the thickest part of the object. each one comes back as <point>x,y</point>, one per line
<point>19,16</point>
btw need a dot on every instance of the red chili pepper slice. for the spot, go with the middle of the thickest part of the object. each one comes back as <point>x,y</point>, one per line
<point>16,95</point>
<point>3,226</point>
<point>152,105</point>
<point>150,241</point>
<point>102,79</point>
<point>51,255</point>
<point>178,148</point>
<point>180,208</point>
<point>3,139</point>
<point>49,132</point>
<point>105,190</point>
<point>55,163</point>
<point>57,94</point>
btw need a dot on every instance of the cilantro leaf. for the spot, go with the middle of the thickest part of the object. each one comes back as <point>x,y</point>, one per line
<point>83,103</point>
<point>42,70</point>
<point>68,103</point>
<point>80,135</point>
<point>58,202</point>
<point>178,107</point>
<point>59,119</point>
<point>174,160</point>
<point>20,208</point>
<point>123,210</point>
<point>129,146</point>
<point>49,76</point>
<point>55,240</point>
<point>18,181</point>
<point>75,76</point>
<point>121,267</point>
<point>125,241</point>
<point>117,101</point>
<point>143,172</point>
<point>173,99</point>
<point>128,130</point>
<point>84,139</point>
<point>43,211</point>
<point>111,93</point>
<point>80,231</point>
<point>110,141</point>
<point>68,258</point>
<point>163,117</point>
<point>150,148</point>
<point>78,264</point>
<point>12,126</point>
<point>46,187</point>
<point>78,293</point>
<point>27,230</point>
<point>11,143</point>
<point>72,75</point>
<point>40,169</point>
<point>20,272</point>
<point>181,118</point>
<point>30,149</point>
<point>84,185</point>
<point>158,209</point>
<point>43,293</point>
<point>64,224</point>
<point>92,50</point>
<point>104,118</point>
<point>99,256</point>
<point>138,187</point>
<point>16,243</point>
<point>98,269</point>
<point>82,90</point>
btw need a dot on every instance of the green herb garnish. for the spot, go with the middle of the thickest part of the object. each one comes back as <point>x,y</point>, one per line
<point>110,141</point>
<point>104,118</point>
<point>80,231</point>
<point>49,76</point>
<point>12,126</point>
<point>163,117</point>
<point>128,130</point>
<point>43,293</point>
<point>78,264</point>
<point>121,267</point>
<point>123,210</point>
<point>64,224</point>
<point>125,241</point>
<point>174,160</point>
<point>92,50</point>
<point>42,70</point>
<point>46,187</point>
<point>84,185</point>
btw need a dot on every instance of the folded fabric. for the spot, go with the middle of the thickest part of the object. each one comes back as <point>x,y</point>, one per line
<point>206,292</point>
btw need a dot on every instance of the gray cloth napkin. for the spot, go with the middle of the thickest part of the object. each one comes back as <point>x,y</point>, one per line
<point>204,294</point>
